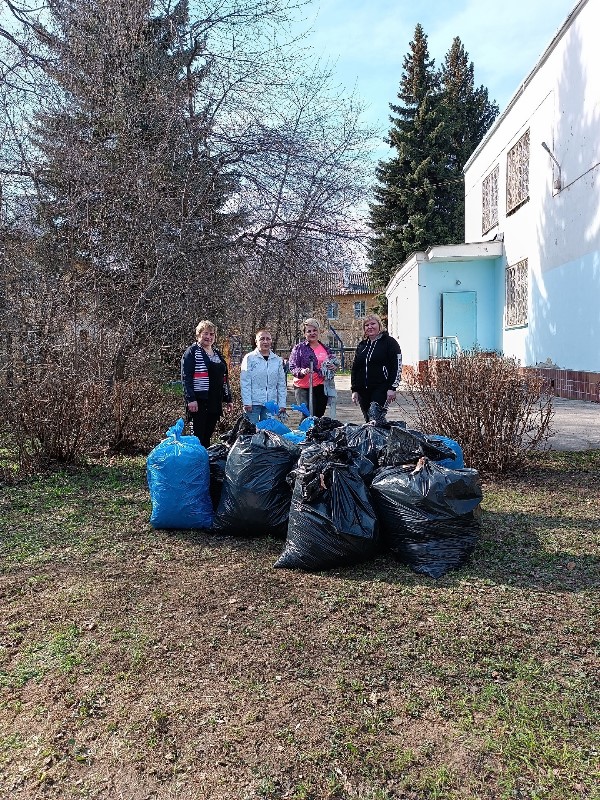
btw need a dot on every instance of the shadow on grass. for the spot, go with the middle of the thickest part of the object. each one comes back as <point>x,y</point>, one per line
<point>107,503</point>
<point>514,558</point>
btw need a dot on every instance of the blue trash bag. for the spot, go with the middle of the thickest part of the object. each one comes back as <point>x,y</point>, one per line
<point>307,423</point>
<point>272,407</point>
<point>302,408</point>
<point>458,462</point>
<point>178,475</point>
<point>295,436</point>
<point>273,424</point>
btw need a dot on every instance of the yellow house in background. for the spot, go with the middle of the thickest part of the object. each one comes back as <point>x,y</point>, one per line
<point>347,301</point>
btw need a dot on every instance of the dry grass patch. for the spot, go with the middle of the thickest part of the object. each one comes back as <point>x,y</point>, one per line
<point>143,664</point>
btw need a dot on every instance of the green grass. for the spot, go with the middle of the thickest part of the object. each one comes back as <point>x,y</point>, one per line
<point>184,663</point>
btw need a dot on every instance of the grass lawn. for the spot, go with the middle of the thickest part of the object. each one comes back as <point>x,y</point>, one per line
<point>139,664</point>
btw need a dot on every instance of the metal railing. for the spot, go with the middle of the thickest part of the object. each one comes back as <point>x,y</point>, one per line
<point>443,346</point>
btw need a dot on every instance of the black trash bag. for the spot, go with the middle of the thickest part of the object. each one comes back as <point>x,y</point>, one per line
<point>315,458</point>
<point>323,430</point>
<point>217,457</point>
<point>255,500</point>
<point>377,414</point>
<point>241,427</point>
<point>369,439</point>
<point>428,515</point>
<point>406,446</point>
<point>332,522</point>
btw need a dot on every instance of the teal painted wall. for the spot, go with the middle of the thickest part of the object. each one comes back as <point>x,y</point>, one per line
<point>483,276</point>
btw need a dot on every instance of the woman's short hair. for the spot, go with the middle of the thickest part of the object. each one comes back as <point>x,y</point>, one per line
<point>377,319</point>
<point>205,324</point>
<point>314,323</point>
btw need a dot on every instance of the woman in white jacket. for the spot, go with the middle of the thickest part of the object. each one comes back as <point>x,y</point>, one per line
<point>262,379</point>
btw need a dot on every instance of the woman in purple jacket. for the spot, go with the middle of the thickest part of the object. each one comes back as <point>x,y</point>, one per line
<point>311,353</point>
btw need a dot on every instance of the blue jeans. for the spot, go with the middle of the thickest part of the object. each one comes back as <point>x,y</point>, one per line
<point>257,413</point>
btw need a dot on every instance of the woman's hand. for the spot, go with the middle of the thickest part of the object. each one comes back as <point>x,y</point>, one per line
<point>391,396</point>
<point>193,407</point>
<point>229,408</point>
<point>248,408</point>
<point>355,398</point>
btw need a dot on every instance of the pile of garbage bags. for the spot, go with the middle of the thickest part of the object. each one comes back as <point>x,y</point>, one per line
<point>337,494</point>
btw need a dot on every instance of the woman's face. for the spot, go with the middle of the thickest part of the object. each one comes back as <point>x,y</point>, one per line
<point>311,333</point>
<point>371,328</point>
<point>264,342</point>
<point>206,338</point>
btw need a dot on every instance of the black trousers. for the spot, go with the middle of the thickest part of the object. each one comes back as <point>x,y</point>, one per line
<point>204,423</point>
<point>377,394</point>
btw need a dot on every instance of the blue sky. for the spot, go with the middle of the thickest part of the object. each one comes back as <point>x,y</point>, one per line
<point>368,39</point>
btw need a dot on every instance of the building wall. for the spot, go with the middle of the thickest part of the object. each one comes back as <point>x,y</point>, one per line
<point>347,325</point>
<point>415,299</point>
<point>556,230</point>
<point>404,309</point>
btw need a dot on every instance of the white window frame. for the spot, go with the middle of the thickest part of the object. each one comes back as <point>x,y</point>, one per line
<point>517,294</point>
<point>517,174</point>
<point>360,309</point>
<point>489,200</point>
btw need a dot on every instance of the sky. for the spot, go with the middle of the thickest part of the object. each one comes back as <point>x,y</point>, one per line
<point>366,40</point>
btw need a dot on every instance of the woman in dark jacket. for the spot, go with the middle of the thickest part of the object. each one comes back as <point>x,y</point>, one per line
<point>204,376</point>
<point>377,367</point>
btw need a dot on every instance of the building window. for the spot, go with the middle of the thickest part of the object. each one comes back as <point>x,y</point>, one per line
<point>516,294</point>
<point>489,200</point>
<point>517,174</point>
<point>333,311</point>
<point>360,309</point>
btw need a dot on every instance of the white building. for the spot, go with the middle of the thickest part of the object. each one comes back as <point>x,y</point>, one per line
<point>529,274</point>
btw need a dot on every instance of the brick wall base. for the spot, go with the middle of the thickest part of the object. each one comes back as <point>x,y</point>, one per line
<point>571,384</point>
<point>568,383</point>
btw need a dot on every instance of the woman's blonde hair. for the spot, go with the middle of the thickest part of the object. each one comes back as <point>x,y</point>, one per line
<point>205,324</point>
<point>312,322</point>
<point>377,319</point>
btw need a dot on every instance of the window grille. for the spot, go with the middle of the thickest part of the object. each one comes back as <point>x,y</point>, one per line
<point>333,311</point>
<point>517,174</point>
<point>516,294</point>
<point>360,309</point>
<point>490,200</point>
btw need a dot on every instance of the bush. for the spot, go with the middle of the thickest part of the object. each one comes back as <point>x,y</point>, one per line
<point>60,417</point>
<point>485,402</point>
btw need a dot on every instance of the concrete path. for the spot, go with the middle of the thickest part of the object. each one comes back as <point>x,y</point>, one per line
<point>576,423</point>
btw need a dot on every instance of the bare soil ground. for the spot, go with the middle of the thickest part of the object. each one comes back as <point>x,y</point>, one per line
<point>140,664</point>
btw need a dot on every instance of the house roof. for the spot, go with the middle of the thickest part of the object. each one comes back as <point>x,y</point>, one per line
<point>355,282</point>
<point>543,58</point>
<point>448,252</point>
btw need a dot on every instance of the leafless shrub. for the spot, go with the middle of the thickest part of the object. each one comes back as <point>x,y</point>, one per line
<point>488,405</point>
<point>226,422</point>
<point>138,414</point>
<point>52,417</point>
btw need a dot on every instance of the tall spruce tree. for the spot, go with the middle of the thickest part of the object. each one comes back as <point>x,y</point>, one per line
<point>468,114</point>
<point>419,196</point>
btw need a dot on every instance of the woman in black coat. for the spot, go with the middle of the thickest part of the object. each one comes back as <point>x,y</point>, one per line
<point>204,376</point>
<point>377,367</point>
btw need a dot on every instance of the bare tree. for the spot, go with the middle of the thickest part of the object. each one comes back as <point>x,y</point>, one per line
<point>164,162</point>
